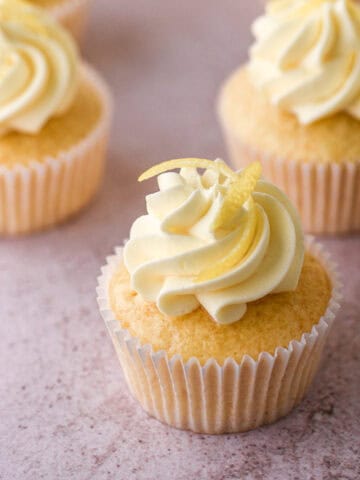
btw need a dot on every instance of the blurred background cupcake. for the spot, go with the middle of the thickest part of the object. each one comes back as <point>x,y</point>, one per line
<point>217,309</point>
<point>296,107</point>
<point>54,122</point>
<point>73,14</point>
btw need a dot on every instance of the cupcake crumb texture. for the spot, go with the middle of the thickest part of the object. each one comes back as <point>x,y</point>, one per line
<point>268,323</point>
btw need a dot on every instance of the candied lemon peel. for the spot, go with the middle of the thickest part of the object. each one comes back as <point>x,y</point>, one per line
<point>245,238</point>
<point>240,189</point>
<point>163,167</point>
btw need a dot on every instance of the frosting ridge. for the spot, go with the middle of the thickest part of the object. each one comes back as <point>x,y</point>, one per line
<point>180,257</point>
<point>38,68</point>
<point>307,57</point>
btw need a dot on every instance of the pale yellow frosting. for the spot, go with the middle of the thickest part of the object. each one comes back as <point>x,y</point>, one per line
<point>307,57</point>
<point>48,3</point>
<point>175,242</point>
<point>38,68</point>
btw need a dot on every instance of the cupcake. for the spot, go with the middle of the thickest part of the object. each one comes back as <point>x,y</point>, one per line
<point>73,14</point>
<point>54,122</point>
<point>296,108</point>
<point>217,307</point>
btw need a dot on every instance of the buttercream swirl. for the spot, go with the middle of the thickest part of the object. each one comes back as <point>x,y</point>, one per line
<point>307,57</point>
<point>171,247</point>
<point>38,68</point>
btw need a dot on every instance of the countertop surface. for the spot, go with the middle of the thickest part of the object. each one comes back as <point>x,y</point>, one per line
<point>65,411</point>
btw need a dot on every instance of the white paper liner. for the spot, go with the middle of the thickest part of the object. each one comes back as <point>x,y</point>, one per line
<point>212,398</point>
<point>73,14</point>
<point>327,196</point>
<point>42,194</point>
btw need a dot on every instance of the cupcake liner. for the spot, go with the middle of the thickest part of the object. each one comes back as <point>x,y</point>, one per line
<point>327,196</point>
<point>42,194</point>
<point>73,14</point>
<point>213,398</point>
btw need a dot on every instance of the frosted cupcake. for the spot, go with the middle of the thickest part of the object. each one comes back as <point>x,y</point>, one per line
<point>296,107</point>
<point>73,14</point>
<point>217,311</point>
<point>54,122</point>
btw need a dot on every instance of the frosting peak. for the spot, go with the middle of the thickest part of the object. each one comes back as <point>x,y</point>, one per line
<point>38,68</point>
<point>307,57</point>
<point>219,239</point>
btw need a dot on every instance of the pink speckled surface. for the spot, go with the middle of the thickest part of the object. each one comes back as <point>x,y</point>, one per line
<point>65,412</point>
